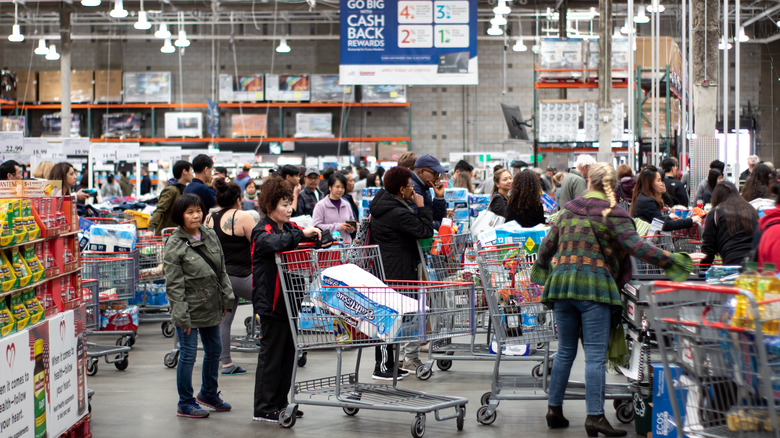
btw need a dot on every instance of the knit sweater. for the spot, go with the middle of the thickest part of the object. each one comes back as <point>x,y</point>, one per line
<point>589,261</point>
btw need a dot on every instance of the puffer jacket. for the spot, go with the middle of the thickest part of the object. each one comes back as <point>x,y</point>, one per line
<point>395,229</point>
<point>191,285</point>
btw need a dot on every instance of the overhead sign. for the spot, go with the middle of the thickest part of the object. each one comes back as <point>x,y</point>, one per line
<point>417,42</point>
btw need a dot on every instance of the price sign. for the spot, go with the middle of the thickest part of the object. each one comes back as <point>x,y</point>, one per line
<point>129,152</point>
<point>415,36</point>
<point>450,12</point>
<point>223,157</point>
<point>447,36</point>
<point>149,155</point>
<point>170,154</point>
<point>415,12</point>
<point>103,152</point>
<point>11,142</point>
<point>76,146</point>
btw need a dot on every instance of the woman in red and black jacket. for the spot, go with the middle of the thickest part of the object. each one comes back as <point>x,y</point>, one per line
<point>276,359</point>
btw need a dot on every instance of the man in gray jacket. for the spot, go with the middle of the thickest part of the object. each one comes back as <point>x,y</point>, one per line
<point>575,182</point>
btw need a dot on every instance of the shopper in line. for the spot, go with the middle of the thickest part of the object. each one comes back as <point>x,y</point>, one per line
<point>111,188</point>
<point>323,184</point>
<point>464,168</point>
<point>647,202</point>
<point>202,166</point>
<point>243,177</point>
<point>769,245</point>
<point>220,172</point>
<point>291,174</point>
<point>360,184</point>
<point>395,228</point>
<point>427,171</point>
<point>146,181</point>
<point>757,184</point>
<point>547,181</point>
<point>731,226</point>
<point>627,181</point>
<point>582,288</point>
<point>250,195</point>
<point>557,180</point>
<point>162,217</point>
<point>374,180</point>
<point>348,196</point>
<point>276,359</point>
<point>574,183</point>
<point>502,183</point>
<point>10,171</point>
<point>751,162</point>
<point>407,160</point>
<point>65,173</point>
<point>234,231</point>
<point>125,184</point>
<point>674,187</point>
<point>713,178</point>
<point>715,164</point>
<point>463,181</point>
<point>311,194</point>
<point>332,213</point>
<point>199,290</point>
<point>525,200</point>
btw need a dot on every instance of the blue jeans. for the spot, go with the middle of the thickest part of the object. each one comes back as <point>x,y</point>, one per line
<point>594,320</point>
<point>188,350</point>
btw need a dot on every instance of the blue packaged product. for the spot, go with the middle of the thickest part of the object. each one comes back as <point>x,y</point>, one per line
<point>477,203</point>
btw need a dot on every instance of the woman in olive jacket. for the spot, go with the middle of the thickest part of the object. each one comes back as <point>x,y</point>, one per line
<point>198,288</point>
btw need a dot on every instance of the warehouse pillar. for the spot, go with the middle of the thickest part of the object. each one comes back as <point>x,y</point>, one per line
<point>605,81</point>
<point>704,55</point>
<point>65,69</point>
<point>563,10</point>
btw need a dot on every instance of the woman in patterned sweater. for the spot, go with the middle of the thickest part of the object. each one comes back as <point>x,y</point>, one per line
<point>592,240</point>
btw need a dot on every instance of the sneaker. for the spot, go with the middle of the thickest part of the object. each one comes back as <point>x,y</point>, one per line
<point>268,417</point>
<point>402,373</point>
<point>233,370</point>
<point>412,365</point>
<point>191,410</point>
<point>214,402</point>
<point>298,412</point>
<point>378,375</point>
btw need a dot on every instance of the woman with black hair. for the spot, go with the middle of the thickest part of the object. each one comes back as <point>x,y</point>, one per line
<point>198,288</point>
<point>647,202</point>
<point>731,227</point>
<point>234,231</point>
<point>525,200</point>
<point>757,184</point>
<point>65,173</point>
<point>713,178</point>
<point>333,213</point>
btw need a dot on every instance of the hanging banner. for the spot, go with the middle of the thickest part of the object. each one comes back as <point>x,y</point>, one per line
<point>417,42</point>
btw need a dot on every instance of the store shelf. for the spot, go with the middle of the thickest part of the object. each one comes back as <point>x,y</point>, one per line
<point>9,104</point>
<point>42,239</point>
<point>38,283</point>
<point>559,85</point>
<point>240,140</point>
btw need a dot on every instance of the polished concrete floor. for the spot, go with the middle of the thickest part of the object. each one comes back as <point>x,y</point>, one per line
<point>141,401</point>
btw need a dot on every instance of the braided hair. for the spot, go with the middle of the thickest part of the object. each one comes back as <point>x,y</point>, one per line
<point>602,177</point>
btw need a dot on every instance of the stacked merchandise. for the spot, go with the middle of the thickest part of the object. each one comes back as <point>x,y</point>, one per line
<point>383,93</point>
<point>314,125</point>
<point>287,87</point>
<point>477,203</point>
<point>365,203</point>
<point>12,123</point>
<point>619,59</point>
<point>591,120</point>
<point>560,59</point>
<point>146,87</point>
<point>52,125</point>
<point>245,88</point>
<point>248,125</point>
<point>558,120</point>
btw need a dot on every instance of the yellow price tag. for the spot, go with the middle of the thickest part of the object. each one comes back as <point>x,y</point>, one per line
<point>347,90</point>
<point>393,94</point>
<point>259,96</point>
<point>297,94</point>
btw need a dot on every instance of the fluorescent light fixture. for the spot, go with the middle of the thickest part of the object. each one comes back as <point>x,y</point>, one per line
<point>90,3</point>
<point>16,34</point>
<point>495,31</point>
<point>182,41</point>
<point>162,32</point>
<point>41,49</point>
<point>535,48</point>
<point>655,7</point>
<point>52,55</point>
<point>641,17</point>
<point>119,10</point>
<point>283,47</point>
<point>498,20</point>
<point>167,47</point>
<point>742,37</point>
<point>142,23</point>
<point>627,28</point>
<point>502,8</point>
<point>519,46</point>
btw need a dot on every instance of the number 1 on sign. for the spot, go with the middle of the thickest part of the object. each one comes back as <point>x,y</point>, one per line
<point>444,36</point>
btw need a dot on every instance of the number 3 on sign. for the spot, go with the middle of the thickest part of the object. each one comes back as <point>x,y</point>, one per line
<point>415,12</point>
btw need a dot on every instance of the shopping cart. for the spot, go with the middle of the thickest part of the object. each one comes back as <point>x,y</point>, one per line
<point>720,373</point>
<point>152,303</point>
<point>526,327</point>
<point>425,315</point>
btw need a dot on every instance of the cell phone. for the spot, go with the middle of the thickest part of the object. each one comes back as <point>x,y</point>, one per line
<point>90,191</point>
<point>352,224</point>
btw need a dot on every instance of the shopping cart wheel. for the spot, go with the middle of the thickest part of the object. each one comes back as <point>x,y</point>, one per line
<point>625,412</point>
<point>351,411</point>
<point>461,417</point>
<point>171,359</point>
<point>168,329</point>
<point>485,417</point>
<point>485,399</point>
<point>444,364</point>
<point>302,360</point>
<point>92,367</point>
<point>122,364</point>
<point>287,420</point>
<point>424,374</point>
<point>418,426</point>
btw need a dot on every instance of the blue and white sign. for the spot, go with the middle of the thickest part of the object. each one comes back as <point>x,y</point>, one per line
<point>412,42</point>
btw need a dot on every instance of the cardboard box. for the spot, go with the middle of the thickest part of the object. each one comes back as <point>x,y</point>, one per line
<point>674,120</point>
<point>248,125</point>
<point>561,53</point>
<point>81,86</point>
<point>108,85</point>
<point>243,88</point>
<point>27,86</point>
<point>558,120</point>
<point>668,54</point>
<point>49,86</point>
<point>664,424</point>
<point>12,123</point>
<point>619,58</point>
<point>189,124</point>
<point>390,151</point>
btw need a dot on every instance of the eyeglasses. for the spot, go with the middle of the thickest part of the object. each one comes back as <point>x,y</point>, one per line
<point>435,174</point>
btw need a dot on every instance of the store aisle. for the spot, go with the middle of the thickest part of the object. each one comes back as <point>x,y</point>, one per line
<point>141,401</point>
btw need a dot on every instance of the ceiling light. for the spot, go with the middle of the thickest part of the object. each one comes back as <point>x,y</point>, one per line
<point>723,46</point>
<point>167,47</point>
<point>641,17</point>
<point>90,3</point>
<point>495,31</point>
<point>52,55</point>
<point>162,32</point>
<point>742,37</point>
<point>627,28</point>
<point>283,47</point>
<point>519,46</point>
<point>16,34</point>
<point>502,8</point>
<point>655,7</point>
<point>535,48</point>
<point>182,41</point>
<point>119,10</point>
<point>142,23</point>
<point>498,20</point>
<point>41,49</point>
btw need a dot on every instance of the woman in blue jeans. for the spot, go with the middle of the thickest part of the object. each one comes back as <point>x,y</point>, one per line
<point>592,240</point>
<point>198,288</point>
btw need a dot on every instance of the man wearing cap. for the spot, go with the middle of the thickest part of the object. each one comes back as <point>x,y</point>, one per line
<point>243,177</point>
<point>427,171</point>
<point>311,194</point>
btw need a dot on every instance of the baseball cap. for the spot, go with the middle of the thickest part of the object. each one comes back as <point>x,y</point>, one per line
<point>429,161</point>
<point>246,166</point>
<point>310,170</point>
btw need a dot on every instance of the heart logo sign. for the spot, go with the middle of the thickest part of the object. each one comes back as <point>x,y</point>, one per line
<point>62,329</point>
<point>10,354</point>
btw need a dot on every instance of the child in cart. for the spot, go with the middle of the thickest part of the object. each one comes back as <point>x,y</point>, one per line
<point>276,359</point>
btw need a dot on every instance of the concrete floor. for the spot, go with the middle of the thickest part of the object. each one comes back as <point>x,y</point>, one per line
<point>141,401</point>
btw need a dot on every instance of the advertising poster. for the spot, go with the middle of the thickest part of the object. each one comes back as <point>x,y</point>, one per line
<point>67,401</point>
<point>17,401</point>
<point>416,42</point>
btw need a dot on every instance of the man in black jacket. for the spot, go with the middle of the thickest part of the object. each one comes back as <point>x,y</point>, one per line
<point>427,173</point>
<point>674,187</point>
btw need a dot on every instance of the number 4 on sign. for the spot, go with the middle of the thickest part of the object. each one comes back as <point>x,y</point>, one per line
<point>406,14</point>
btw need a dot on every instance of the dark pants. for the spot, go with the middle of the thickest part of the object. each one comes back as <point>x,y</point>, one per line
<point>385,360</point>
<point>275,365</point>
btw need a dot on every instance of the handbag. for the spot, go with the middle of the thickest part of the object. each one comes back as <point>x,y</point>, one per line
<point>485,221</point>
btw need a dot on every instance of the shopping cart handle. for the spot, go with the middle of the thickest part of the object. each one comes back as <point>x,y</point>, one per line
<point>307,245</point>
<point>719,325</point>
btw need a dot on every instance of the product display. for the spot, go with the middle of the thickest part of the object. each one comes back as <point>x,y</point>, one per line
<point>326,88</point>
<point>248,125</point>
<point>591,120</point>
<point>561,54</point>
<point>122,125</point>
<point>147,87</point>
<point>183,124</point>
<point>287,87</point>
<point>383,93</point>
<point>8,84</point>
<point>319,125</point>
<point>558,120</point>
<point>12,123</point>
<point>619,58</point>
<point>249,88</point>
<point>26,86</point>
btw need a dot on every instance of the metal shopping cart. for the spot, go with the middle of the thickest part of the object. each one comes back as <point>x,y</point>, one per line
<point>108,281</point>
<point>153,306</point>
<point>422,312</point>
<point>524,326</point>
<point>720,371</point>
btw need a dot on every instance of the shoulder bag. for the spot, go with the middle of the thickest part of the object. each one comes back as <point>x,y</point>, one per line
<point>485,221</point>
